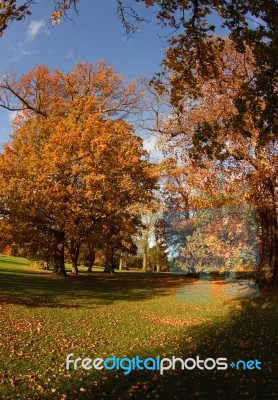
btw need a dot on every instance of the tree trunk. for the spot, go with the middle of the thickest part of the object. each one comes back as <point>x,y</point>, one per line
<point>58,260</point>
<point>269,248</point>
<point>144,266</point>
<point>46,265</point>
<point>74,267</point>
<point>92,258</point>
<point>121,263</point>
<point>74,250</point>
<point>109,264</point>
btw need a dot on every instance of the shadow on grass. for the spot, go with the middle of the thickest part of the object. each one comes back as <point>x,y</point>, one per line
<point>30,287</point>
<point>7,261</point>
<point>44,289</point>
<point>249,334</point>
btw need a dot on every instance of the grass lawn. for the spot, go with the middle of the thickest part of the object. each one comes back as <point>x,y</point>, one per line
<point>43,318</point>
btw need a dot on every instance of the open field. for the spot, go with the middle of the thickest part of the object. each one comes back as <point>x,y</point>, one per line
<point>43,318</point>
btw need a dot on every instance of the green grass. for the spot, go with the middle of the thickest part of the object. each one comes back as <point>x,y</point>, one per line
<point>44,317</point>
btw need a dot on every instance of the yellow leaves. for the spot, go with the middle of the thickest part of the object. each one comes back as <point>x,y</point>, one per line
<point>176,321</point>
<point>56,17</point>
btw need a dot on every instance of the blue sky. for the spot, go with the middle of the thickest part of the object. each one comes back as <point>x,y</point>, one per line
<point>95,34</point>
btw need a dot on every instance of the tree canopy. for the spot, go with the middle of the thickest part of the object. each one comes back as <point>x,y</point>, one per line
<point>220,82</point>
<point>200,142</point>
<point>192,50</point>
<point>73,161</point>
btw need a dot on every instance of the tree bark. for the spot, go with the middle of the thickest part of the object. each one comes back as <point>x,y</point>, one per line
<point>144,266</point>
<point>121,263</point>
<point>269,248</point>
<point>74,250</point>
<point>109,264</point>
<point>74,267</point>
<point>59,260</point>
<point>92,258</point>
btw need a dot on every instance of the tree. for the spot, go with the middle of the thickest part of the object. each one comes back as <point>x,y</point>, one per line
<point>73,161</point>
<point>224,238</point>
<point>192,61</point>
<point>117,237</point>
<point>5,235</point>
<point>196,42</point>
<point>203,132</point>
<point>157,258</point>
<point>193,49</point>
<point>147,215</point>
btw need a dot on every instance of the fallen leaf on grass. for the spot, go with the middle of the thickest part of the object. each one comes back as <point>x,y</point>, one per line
<point>176,321</point>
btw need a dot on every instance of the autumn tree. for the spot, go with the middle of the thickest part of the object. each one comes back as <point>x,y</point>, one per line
<point>157,258</point>
<point>145,235</point>
<point>224,238</point>
<point>178,182</point>
<point>117,237</point>
<point>192,50</point>
<point>203,132</point>
<point>73,160</point>
<point>6,240</point>
<point>215,228</point>
<point>192,62</point>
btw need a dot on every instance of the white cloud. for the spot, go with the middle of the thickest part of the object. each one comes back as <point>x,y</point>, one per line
<point>12,116</point>
<point>149,144</point>
<point>34,29</point>
<point>21,49</point>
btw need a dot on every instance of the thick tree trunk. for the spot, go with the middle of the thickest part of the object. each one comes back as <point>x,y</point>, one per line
<point>58,260</point>
<point>109,268</point>
<point>74,267</point>
<point>269,248</point>
<point>109,264</point>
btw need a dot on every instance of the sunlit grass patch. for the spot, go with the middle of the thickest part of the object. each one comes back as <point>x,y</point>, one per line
<point>43,318</point>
